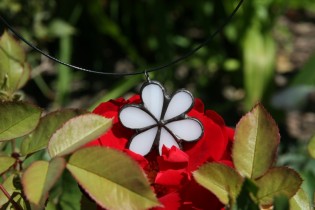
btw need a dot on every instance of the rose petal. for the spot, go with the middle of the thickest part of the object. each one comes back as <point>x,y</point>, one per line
<point>170,201</point>
<point>142,142</point>
<point>172,158</point>
<point>187,129</point>
<point>153,99</point>
<point>171,177</point>
<point>197,197</point>
<point>198,105</point>
<point>142,161</point>
<point>132,116</point>
<point>180,103</point>
<point>211,146</point>
<point>135,99</point>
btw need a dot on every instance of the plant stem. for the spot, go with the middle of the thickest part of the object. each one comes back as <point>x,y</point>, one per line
<point>5,192</point>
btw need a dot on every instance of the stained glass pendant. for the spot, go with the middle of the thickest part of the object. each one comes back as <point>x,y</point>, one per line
<point>160,119</point>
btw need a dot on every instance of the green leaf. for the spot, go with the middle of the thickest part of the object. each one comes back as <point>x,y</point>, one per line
<point>281,203</point>
<point>39,138</point>
<point>300,201</point>
<point>76,132</point>
<point>276,182</point>
<point>112,179</point>
<point>221,180</point>
<point>17,119</point>
<point>311,147</point>
<point>259,51</point>
<point>65,194</point>
<point>305,76</point>
<point>39,178</point>
<point>256,141</point>
<point>60,28</point>
<point>25,76</point>
<point>10,46</point>
<point>70,197</point>
<point>245,200</point>
<point>10,189</point>
<point>12,58</point>
<point>5,163</point>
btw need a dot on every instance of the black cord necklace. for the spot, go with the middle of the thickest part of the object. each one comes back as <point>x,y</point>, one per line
<point>154,68</point>
<point>161,120</point>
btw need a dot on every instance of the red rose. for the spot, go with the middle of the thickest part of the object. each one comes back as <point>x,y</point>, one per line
<point>171,173</point>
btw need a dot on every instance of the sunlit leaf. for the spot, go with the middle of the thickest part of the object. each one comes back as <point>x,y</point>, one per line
<point>39,138</point>
<point>10,45</point>
<point>256,141</point>
<point>5,163</point>
<point>112,179</point>
<point>311,147</point>
<point>39,178</point>
<point>12,58</point>
<point>277,181</point>
<point>17,119</point>
<point>221,180</point>
<point>76,132</point>
<point>10,189</point>
<point>300,201</point>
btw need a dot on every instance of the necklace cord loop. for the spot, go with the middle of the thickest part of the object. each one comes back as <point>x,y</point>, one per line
<point>147,77</point>
<point>146,71</point>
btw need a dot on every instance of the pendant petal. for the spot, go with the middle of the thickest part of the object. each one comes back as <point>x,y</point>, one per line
<point>135,118</point>
<point>180,103</point>
<point>187,129</point>
<point>142,142</point>
<point>153,99</point>
<point>167,140</point>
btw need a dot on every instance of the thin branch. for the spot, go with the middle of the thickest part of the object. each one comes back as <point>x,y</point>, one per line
<point>5,192</point>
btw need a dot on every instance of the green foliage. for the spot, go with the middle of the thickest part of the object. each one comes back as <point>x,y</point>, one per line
<point>259,60</point>
<point>120,179</point>
<point>311,147</point>
<point>23,121</point>
<point>11,192</point>
<point>305,75</point>
<point>119,36</point>
<point>276,182</point>
<point>222,180</point>
<point>60,133</point>
<point>244,199</point>
<point>76,132</point>
<point>5,163</point>
<point>300,201</point>
<point>39,178</point>
<point>14,70</point>
<point>39,138</point>
<point>256,134</point>
<point>254,148</point>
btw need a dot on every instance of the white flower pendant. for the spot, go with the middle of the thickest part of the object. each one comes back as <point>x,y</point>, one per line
<point>160,119</point>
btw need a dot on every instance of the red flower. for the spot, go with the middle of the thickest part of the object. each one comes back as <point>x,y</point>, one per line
<point>171,173</point>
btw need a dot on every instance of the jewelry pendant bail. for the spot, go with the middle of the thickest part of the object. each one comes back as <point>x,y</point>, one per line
<point>147,77</point>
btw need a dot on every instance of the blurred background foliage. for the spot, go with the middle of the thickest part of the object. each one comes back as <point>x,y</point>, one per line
<point>266,53</point>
